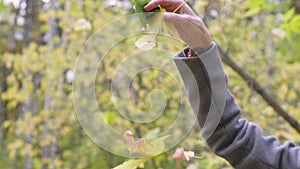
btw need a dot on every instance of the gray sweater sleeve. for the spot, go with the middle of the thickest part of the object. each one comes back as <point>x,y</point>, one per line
<point>240,142</point>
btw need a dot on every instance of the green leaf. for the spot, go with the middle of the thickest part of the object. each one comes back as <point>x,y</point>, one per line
<point>252,12</point>
<point>153,132</point>
<point>139,10</point>
<point>132,164</point>
<point>295,24</point>
<point>255,4</point>
<point>288,15</point>
<point>148,42</point>
<point>143,15</point>
<point>142,2</point>
<point>2,6</point>
<point>110,118</point>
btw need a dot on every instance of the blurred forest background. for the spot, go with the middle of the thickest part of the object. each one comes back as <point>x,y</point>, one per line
<point>40,41</point>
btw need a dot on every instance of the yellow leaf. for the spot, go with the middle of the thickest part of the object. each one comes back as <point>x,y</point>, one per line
<point>155,24</point>
<point>146,42</point>
<point>6,124</point>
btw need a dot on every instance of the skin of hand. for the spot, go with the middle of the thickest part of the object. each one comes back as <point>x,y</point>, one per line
<point>189,26</point>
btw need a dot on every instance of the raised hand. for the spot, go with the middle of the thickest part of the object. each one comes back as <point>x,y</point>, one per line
<point>189,26</point>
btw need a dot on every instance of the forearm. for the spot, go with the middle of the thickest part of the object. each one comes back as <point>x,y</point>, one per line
<point>240,142</point>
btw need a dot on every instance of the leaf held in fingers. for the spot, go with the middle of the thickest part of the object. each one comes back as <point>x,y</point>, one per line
<point>146,42</point>
<point>156,23</point>
<point>139,9</point>
<point>171,30</point>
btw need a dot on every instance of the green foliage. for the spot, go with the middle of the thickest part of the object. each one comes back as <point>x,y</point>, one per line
<point>132,164</point>
<point>40,123</point>
<point>2,6</point>
<point>265,43</point>
<point>146,146</point>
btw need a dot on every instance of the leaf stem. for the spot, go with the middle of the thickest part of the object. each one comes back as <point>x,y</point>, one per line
<point>179,6</point>
<point>198,157</point>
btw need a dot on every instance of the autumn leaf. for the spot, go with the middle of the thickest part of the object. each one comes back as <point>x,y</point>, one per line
<point>181,154</point>
<point>151,146</point>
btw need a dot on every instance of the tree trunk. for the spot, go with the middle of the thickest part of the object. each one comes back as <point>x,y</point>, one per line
<point>31,33</point>
<point>296,5</point>
<point>11,48</point>
<point>32,27</point>
<point>50,150</point>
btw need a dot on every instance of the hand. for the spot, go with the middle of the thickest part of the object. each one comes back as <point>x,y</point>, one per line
<point>189,26</point>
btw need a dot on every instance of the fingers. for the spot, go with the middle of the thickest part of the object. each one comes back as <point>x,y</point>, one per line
<point>191,29</point>
<point>169,5</point>
<point>189,26</point>
<point>185,21</point>
<point>180,23</point>
<point>172,17</point>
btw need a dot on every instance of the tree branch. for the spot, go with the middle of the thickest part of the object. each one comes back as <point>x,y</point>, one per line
<point>252,83</point>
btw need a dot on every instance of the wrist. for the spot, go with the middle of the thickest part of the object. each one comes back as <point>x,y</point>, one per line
<point>196,51</point>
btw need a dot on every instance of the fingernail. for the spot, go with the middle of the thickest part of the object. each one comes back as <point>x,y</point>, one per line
<point>146,6</point>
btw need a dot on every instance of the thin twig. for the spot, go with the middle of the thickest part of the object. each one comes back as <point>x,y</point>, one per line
<point>252,83</point>
<point>179,6</point>
<point>198,157</point>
